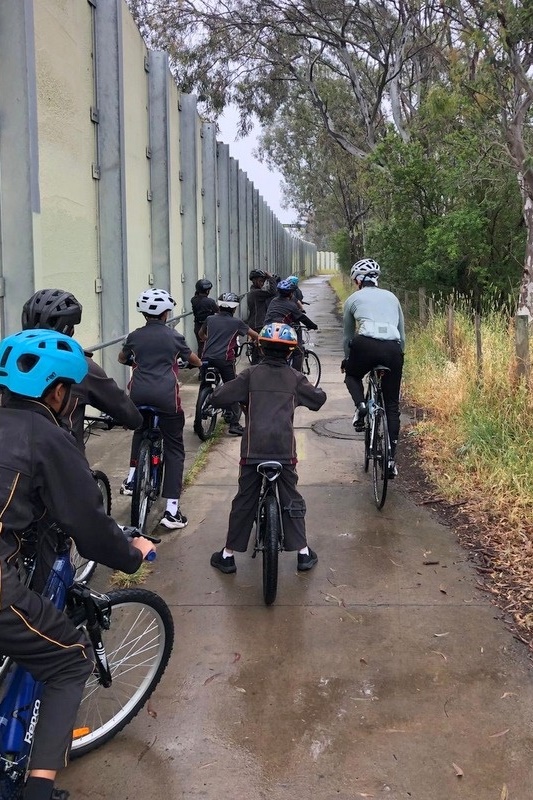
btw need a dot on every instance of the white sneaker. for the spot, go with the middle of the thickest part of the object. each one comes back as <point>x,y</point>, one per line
<point>173,521</point>
<point>393,470</point>
<point>126,488</point>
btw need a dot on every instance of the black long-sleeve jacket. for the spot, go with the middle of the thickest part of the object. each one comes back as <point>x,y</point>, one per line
<point>258,301</point>
<point>44,475</point>
<point>270,391</point>
<point>99,390</point>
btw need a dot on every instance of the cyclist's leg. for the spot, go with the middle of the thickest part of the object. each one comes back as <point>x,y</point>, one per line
<point>243,508</point>
<point>44,641</point>
<point>228,373</point>
<point>390,383</point>
<point>241,518</point>
<point>127,484</point>
<point>360,361</point>
<point>293,514</point>
<point>292,509</point>
<point>171,426</point>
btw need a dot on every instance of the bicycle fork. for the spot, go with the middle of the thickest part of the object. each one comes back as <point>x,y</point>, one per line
<point>98,618</point>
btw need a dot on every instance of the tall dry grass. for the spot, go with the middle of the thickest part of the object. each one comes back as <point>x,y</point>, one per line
<point>477,434</point>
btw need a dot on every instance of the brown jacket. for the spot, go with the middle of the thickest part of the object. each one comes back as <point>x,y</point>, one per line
<point>270,391</point>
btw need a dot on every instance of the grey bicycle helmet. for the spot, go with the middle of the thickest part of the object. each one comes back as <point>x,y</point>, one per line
<point>53,309</point>
<point>228,300</point>
<point>257,273</point>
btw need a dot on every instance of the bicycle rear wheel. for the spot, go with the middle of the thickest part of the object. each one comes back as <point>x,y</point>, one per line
<point>270,537</point>
<point>142,487</point>
<point>205,420</point>
<point>138,646</point>
<point>380,458</point>
<point>311,367</point>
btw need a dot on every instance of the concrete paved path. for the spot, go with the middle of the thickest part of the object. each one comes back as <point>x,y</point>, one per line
<point>371,676</point>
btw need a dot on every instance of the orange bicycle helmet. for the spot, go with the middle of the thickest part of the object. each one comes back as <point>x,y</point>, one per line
<point>278,335</point>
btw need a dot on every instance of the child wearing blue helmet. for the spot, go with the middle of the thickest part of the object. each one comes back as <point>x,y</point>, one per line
<point>43,478</point>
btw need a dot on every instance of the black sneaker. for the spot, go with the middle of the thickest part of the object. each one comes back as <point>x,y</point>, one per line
<point>126,488</point>
<point>358,420</point>
<point>392,471</point>
<point>307,561</point>
<point>225,565</point>
<point>236,430</point>
<point>173,521</point>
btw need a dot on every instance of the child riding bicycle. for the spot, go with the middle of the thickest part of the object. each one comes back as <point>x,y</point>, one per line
<point>45,477</point>
<point>153,352</point>
<point>284,308</point>
<point>220,332</point>
<point>269,391</point>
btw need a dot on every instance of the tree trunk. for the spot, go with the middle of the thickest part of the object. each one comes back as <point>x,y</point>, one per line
<point>525,303</point>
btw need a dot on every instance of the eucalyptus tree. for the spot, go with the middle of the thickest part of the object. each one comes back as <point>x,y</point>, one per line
<point>251,52</point>
<point>491,56</point>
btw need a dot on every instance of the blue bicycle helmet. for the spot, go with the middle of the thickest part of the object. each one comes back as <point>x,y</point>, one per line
<point>293,279</point>
<point>32,361</point>
<point>285,287</point>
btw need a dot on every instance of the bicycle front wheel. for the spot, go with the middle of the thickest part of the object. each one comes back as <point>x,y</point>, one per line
<point>270,536</point>
<point>311,367</point>
<point>380,458</point>
<point>142,487</point>
<point>138,646</point>
<point>205,420</point>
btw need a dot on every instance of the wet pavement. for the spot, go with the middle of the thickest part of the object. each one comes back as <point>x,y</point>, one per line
<point>383,673</point>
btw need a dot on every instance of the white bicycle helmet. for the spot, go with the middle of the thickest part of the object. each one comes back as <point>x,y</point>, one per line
<point>365,268</point>
<point>154,302</point>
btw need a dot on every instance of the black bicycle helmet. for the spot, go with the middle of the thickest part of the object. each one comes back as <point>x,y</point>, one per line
<point>54,309</point>
<point>257,273</point>
<point>203,285</point>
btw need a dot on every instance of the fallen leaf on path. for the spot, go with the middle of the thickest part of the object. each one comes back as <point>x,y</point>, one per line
<point>212,678</point>
<point>364,794</point>
<point>501,733</point>
<point>430,563</point>
<point>363,661</point>
<point>505,794</point>
<point>240,689</point>
<point>236,657</point>
<point>151,710</point>
<point>458,771</point>
<point>394,562</point>
<point>442,588</point>
<point>438,653</point>
<point>441,634</point>
<point>508,694</point>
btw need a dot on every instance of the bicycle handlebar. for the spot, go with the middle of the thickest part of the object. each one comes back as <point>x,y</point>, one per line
<point>133,533</point>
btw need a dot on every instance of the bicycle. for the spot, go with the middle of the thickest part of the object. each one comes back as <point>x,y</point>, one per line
<point>148,478</point>
<point>311,366</point>
<point>132,633</point>
<point>206,417</point>
<point>85,569</point>
<point>377,443</point>
<point>269,528</point>
<point>247,348</point>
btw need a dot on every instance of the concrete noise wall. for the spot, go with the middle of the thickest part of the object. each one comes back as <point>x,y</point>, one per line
<point>109,180</point>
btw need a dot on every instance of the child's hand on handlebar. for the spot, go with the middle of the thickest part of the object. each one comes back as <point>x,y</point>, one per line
<point>144,545</point>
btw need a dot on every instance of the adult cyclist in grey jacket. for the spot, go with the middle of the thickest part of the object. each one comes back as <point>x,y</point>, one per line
<point>375,316</point>
<point>58,310</point>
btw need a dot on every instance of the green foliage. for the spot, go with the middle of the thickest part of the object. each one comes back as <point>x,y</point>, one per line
<point>341,245</point>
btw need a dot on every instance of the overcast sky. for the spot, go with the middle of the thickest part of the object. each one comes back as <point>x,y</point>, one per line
<point>267,182</point>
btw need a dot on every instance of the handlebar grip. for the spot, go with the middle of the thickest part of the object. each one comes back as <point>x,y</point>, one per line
<point>152,555</point>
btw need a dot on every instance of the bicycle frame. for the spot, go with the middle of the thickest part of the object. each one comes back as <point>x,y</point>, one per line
<point>270,471</point>
<point>374,393</point>
<point>152,432</point>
